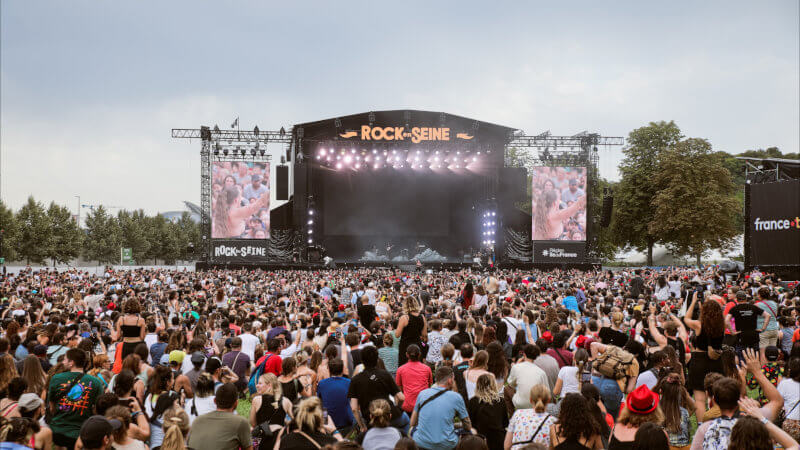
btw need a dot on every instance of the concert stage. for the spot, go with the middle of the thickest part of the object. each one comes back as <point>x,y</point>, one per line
<point>388,188</point>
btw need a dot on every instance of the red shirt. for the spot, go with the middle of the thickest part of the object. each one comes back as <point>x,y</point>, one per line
<point>413,377</point>
<point>274,364</point>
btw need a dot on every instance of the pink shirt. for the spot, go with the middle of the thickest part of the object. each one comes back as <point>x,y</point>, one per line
<point>413,377</point>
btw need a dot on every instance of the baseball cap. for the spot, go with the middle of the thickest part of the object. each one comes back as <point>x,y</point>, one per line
<point>213,364</point>
<point>96,428</point>
<point>164,361</point>
<point>772,353</point>
<point>29,402</point>
<point>176,356</point>
<point>198,358</point>
<point>741,296</point>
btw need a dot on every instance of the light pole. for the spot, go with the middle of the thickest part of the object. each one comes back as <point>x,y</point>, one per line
<point>79,210</point>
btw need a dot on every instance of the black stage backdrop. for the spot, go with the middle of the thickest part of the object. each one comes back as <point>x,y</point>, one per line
<point>774,223</point>
<point>369,209</point>
<point>280,247</point>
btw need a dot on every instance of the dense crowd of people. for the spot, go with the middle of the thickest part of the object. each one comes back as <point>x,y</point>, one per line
<point>380,359</point>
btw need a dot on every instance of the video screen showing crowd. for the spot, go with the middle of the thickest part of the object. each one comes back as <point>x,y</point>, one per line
<point>240,200</point>
<point>558,197</point>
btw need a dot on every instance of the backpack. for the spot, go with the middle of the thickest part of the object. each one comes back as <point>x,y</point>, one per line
<point>613,363</point>
<point>718,435</point>
<point>259,370</point>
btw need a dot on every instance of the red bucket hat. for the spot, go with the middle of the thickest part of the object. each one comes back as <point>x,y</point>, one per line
<point>642,400</point>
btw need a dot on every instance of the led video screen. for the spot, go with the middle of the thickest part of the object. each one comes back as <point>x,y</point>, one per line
<point>558,209</point>
<point>240,200</point>
<point>774,223</point>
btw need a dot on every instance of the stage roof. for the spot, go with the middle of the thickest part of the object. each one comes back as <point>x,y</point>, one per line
<point>334,128</point>
<point>787,169</point>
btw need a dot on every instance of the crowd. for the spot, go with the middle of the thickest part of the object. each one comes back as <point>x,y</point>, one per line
<point>380,359</point>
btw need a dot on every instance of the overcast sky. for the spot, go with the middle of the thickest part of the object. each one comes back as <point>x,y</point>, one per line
<point>90,90</point>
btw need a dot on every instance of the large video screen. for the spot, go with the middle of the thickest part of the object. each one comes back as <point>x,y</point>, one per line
<point>558,209</point>
<point>239,200</point>
<point>387,203</point>
<point>774,223</point>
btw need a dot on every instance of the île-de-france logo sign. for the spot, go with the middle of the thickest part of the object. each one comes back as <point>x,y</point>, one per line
<point>415,134</point>
<point>545,252</point>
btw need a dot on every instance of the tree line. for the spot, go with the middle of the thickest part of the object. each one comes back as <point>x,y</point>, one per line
<point>673,191</point>
<point>39,235</point>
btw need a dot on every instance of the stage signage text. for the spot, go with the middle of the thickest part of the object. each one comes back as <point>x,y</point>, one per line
<point>415,134</point>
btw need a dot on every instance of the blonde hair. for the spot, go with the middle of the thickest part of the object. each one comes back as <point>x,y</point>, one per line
<point>617,318</point>
<point>381,413</point>
<point>540,397</point>
<point>309,414</point>
<point>486,389</point>
<point>176,427</point>
<point>277,389</point>
<point>411,305</point>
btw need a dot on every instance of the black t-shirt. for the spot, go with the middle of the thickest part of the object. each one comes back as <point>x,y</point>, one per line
<point>296,441</point>
<point>373,384</point>
<point>366,314</point>
<point>613,337</point>
<point>490,420</point>
<point>745,317</point>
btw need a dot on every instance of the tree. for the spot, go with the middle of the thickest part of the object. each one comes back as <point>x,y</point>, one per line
<point>190,234</point>
<point>633,197</point>
<point>34,238</point>
<point>8,232</point>
<point>695,206</point>
<point>65,236</point>
<point>103,237</point>
<point>133,226</point>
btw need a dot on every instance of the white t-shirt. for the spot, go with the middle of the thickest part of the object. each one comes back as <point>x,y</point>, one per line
<point>648,378</point>
<point>249,343</point>
<point>675,288</point>
<point>203,404</point>
<point>790,391</point>
<point>480,300</point>
<point>569,380</point>
<point>523,377</point>
<point>513,325</point>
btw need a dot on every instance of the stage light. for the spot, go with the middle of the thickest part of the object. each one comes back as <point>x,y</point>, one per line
<point>319,157</point>
<point>437,152</point>
<point>377,159</point>
<point>347,159</point>
<point>394,152</point>
<point>311,221</point>
<point>310,241</point>
<point>474,159</point>
<point>358,158</point>
<point>338,165</point>
<point>225,152</point>
<point>376,166</point>
<point>457,166</point>
<point>352,150</point>
<point>416,159</point>
<point>310,212</point>
<point>322,151</point>
<point>358,166</point>
<point>493,213</point>
<point>366,158</point>
<point>436,158</point>
<point>262,152</point>
<point>328,158</point>
<point>253,152</point>
<point>374,151</point>
<point>458,153</point>
<point>310,231</point>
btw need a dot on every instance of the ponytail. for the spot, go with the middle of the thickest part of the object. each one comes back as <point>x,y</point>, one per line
<point>539,406</point>
<point>176,426</point>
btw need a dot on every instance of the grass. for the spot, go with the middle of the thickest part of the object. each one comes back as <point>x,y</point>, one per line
<point>243,409</point>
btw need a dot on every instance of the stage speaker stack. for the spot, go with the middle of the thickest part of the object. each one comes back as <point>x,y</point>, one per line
<point>282,182</point>
<point>608,206</point>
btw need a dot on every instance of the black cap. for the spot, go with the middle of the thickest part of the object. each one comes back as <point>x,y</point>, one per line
<point>96,428</point>
<point>198,358</point>
<point>213,364</point>
<point>772,353</point>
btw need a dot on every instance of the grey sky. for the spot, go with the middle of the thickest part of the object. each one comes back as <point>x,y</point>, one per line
<point>90,90</point>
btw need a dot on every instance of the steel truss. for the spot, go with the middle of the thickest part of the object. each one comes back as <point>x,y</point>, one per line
<point>239,146</point>
<point>580,150</point>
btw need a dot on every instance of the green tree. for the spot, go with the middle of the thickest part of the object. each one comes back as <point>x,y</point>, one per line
<point>34,238</point>
<point>103,237</point>
<point>190,234</point>
<point>9,230</point>
<point>65,236</point>
<point>633,197</point>
<point>133,226</point>
<point>695,204</point>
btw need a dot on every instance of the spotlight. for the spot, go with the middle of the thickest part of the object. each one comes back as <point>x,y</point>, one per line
<point>310,221</point>
<point>436,158</point>
<point>262,152</point>
<point>338,165</point>
<point>310,241</point>
<point>458,153</point>
<point>416,159</point>
<point>310,231</point>
<point>457,166</point>
<point>366,158</point>
<point>474,159</point>
<point>347,159</point>
<point>225,152</point>
<point>358,166</point>
<point>374,151</point>
<point>319,157</point>
<point>352,150</point>
<point>310,212</point>
<point>253,152</point>
<point>322,152</point>
<point>493,213</point>
<point>376,167</point>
